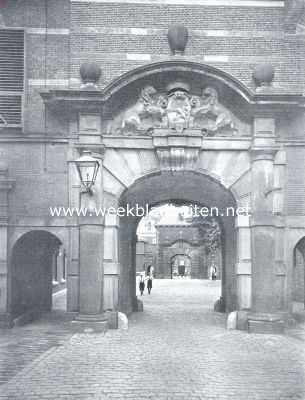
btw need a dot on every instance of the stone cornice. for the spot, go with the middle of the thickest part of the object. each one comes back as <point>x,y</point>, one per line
<point>145,142</point>
<point>93,100</point>
<point>72,99</point>
<point>26,139</point>
<point>263,153</point>
<point>98,150</point>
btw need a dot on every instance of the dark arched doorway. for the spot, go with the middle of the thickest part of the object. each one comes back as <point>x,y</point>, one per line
<point>298,293</point>
<point>32,273</point>
<point>181,266</point>
<point>175,187</point>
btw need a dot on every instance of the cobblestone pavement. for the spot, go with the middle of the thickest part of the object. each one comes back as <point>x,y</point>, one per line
<point>176,349</point>
<point>22,345</point>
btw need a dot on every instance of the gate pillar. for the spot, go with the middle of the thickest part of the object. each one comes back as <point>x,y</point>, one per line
<point>91,230</point>
<point>266,315</point>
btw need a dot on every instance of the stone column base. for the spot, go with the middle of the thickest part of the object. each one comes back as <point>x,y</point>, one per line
<point>137,305</point>
<point>245,320</point>
<point>112,319</point>
<point>266,323</point>
<point>89,323</point>
<point>6,320</point>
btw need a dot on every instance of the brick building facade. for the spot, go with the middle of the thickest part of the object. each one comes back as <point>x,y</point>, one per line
<point>183,249</point>
<point>47,119</point>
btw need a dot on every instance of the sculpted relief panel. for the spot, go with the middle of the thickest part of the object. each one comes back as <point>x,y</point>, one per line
<point>177,110</point>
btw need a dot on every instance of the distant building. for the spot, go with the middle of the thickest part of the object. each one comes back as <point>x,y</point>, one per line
<point>182,250</point>
<point>175,246</point>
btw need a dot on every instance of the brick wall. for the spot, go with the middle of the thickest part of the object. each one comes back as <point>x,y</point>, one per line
<point>161,15</point>
<point>46,51</point>
<point>112,33</point>
<point>40,174</point>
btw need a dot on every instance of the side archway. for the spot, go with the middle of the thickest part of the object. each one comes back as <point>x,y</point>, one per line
<point>298,275</point>
<point>32,262</point>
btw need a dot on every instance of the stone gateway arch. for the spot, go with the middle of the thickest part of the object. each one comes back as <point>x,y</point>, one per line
<point>173,131</point>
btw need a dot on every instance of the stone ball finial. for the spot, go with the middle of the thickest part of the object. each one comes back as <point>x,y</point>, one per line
<point>263,74</point>
<point>177,36</point>
<point>90,73</point>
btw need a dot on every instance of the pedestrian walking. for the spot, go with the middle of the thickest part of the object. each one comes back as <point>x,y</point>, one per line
<point>142,284</point>
<point>214,273</point>
<point>150,270</point>
<point>149,284</point>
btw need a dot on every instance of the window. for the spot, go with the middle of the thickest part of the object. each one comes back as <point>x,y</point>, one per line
<point>11,77</point>
<point>64,266</point>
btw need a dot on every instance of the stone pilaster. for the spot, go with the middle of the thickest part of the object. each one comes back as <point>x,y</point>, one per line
<point>243,268</point>
<point>127,289</point>
<point>6,185</point>
<point>111,264</point>
<point>278,211</point>
<point>72,272</point>
<point>91,240</point>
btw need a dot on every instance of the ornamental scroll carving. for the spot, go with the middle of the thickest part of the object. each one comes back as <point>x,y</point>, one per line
<point>3,122</point>
<point>177,110</point>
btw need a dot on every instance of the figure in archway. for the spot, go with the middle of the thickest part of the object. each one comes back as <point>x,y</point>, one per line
<point>142,284</point>
<point>149,283</point>
<point>213,272</point>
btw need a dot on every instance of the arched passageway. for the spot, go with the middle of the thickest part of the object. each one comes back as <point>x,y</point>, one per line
<point>298,294</point>
<point>186,187</point>
<point>33,270</point>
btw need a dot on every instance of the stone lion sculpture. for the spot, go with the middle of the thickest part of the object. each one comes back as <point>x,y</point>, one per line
<point>145,107</point>
<point>210,106</point>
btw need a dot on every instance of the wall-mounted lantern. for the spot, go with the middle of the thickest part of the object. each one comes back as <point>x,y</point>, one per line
<point>87,168</point>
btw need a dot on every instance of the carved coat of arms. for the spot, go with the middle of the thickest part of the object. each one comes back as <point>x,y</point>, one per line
<point>177,110</point>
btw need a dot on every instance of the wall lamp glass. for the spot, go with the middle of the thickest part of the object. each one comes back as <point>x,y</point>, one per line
<point>87,168</point>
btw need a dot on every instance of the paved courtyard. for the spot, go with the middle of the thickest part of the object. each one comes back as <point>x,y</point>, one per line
<point>178,348</point>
